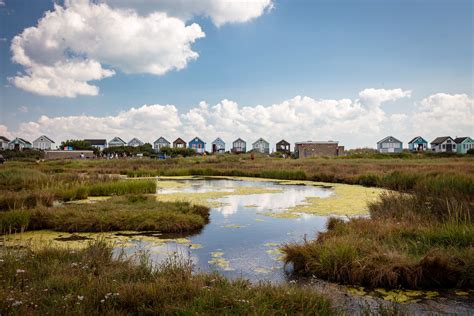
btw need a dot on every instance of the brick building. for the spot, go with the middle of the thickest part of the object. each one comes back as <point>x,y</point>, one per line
<point>318,148</point>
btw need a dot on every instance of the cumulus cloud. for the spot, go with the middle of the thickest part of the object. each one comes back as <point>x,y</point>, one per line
<point>377,96</point>
<point>219,11</point>
<point>445,114</point>
<point>354,122</point>
<point>5,132</point>
<point>142,122</point>
<point>82,41</point>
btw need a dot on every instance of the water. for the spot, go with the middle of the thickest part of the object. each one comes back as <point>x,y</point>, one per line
<point>239,241</point>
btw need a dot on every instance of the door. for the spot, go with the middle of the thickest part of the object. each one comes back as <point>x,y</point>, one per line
<point>449,148</point>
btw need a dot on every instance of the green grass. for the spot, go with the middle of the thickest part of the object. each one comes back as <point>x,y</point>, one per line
<point>120,213</point>
<point>29,188</point>
<point>90,282</point>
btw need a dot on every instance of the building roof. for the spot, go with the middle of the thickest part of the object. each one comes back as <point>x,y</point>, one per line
<point>416,138</point>
<point>309,142</point>
<point>21,140</point>
<point>197,139</point>
<point>4,139</point>
<point>239,140</point>
<point>44,136</point>
<point>283,142</point>
<point>162,140</point>
<point>440,140</point>
<point>136,140</point>
<point>383,140</point>
<point>218,140</point>
<point>117,139</point>
<point>260,140</point>
<point>179,140</point>
<point>97,142</point>
<point>459,140</point>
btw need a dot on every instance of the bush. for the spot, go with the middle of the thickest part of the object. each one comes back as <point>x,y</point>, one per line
<point>14,221</point>
<point>368,180</point>
<point>178,152</point>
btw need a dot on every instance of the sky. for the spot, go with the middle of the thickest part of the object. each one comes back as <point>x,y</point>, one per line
<point>354,71</point>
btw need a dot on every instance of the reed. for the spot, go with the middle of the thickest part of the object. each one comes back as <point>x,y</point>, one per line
<point>139,213</point>
<point>90,282</point>
<point>419,240</point>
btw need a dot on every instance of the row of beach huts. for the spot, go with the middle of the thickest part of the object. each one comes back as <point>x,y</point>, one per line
<point>388,144</point>
<point>444,144</point>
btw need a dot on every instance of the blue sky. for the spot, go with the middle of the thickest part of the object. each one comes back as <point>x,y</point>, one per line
<point>324,50</point>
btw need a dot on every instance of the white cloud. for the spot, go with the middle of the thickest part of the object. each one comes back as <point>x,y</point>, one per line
<point>377,96</point>
<point>2,3</point>
<point>358,122</point>
<point>143,122</point>
<point>23,109</point>
<point>444,114</point>
<point>220,11</point>
<point>83,41</point>
<point>5,132</point>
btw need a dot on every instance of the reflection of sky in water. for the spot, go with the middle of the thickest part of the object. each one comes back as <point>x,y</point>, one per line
<point>276,202</point>
<point>244,247</point>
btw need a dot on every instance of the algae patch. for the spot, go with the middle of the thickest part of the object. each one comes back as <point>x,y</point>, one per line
<point>405,296</point>
<point>233,226</point>
<point>271,244</point>
<point>346,200</point>
<point>219,261</point>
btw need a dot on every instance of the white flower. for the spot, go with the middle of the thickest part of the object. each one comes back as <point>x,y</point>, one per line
<point>80,297</point>
<point>20,271</point>
<point>16,303</point>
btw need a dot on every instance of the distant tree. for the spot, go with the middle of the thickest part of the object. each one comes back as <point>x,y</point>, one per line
<point>178,152</point>
<point>145,149</point>
<point>77,144</point>
<point>25,154</point>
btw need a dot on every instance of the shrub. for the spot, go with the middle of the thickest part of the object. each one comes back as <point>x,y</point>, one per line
<point>14,221</point>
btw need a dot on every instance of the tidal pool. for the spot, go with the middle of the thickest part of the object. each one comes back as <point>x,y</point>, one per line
<point>249,220</point>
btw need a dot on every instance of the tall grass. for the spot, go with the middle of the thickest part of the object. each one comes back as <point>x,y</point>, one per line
<point>14,221</point>
<point>64,188</point>
<point>420,239</point>
<point>90,282</point>
<point>121,213</point>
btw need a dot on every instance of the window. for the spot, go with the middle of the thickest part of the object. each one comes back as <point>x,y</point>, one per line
<point>444,146</point>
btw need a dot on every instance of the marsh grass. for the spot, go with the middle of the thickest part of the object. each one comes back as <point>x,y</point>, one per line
<point>138,213</point>
<point>29,188</point>
<point>419,240</point>
<point>91,282</point>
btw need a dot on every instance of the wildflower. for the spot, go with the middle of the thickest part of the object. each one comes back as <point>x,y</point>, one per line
<point>20,271</point>
<point>102,301</point>
<point>17,303</point>
<point>80,297</point>
<point>243,301</point>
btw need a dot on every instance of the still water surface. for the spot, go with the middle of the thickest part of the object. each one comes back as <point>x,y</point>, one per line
<point>239,241</point>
